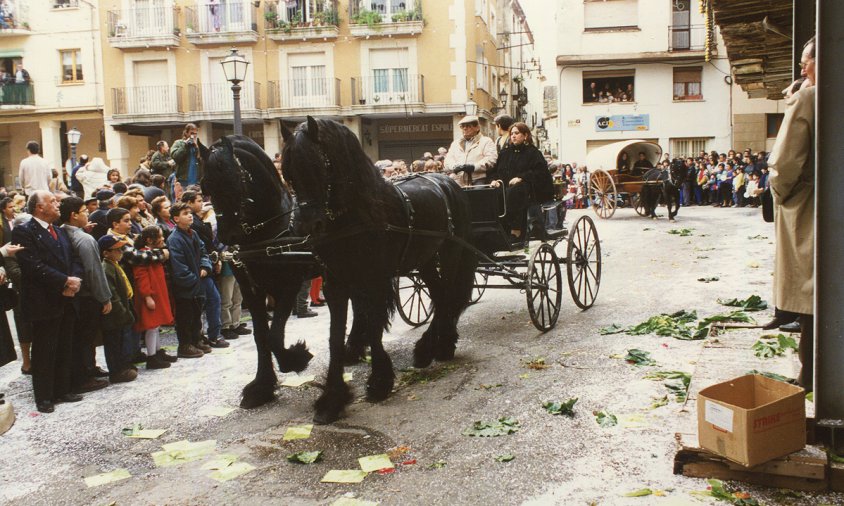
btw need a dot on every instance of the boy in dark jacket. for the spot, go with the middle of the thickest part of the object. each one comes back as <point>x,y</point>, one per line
<point>189,264</point>
<point>117,324</point>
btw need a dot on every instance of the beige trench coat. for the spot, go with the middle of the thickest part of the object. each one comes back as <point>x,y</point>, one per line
<point>792,181</point>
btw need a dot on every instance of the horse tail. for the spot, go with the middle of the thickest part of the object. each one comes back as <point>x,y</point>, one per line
<point>391,304</point>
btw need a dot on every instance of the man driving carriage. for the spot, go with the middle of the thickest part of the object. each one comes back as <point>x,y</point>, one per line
<point>472,155</point>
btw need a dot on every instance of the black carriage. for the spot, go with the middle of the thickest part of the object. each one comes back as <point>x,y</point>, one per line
<point>532,265</point>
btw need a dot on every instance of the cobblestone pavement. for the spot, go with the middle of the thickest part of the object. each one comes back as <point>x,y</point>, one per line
<point>557,460</point>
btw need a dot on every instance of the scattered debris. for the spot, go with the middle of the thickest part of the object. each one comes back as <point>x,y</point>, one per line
<point>137,431</point>
<point>423,376</point>
<point>506,457</point>
<point>682,232</point>
<point>438,464</point>
<point>605,419</point>
<point>810,397</point>
<point>374,463</point>
<point>677,382</point>
<point>350,500</point>
<point>298,432</point>
<point>106,478</point>
<point>612,329</point>
<point>295,381</point>
<point>642,492</point>
<point>524,376</point>
<point>219,462</point>
<point>502,427</point>
<point>343,476</point>
<point>717,490</point>
<point>758,236</point>
<point>753,264</point>
<point>487,386</point>
<point>398,452</point>
<point>537,364</point>
<point>752,303</point>
<point>232,471</point>
<point>183,451</point>
<point>674,325</point>
<point>710,279</point>
<point>561,408</point>
<point>305,457</point>
<point>639,357</point>
<point>773,346</point>
<point>659,402</point>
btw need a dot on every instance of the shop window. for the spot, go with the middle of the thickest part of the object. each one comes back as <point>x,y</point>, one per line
<point>774,122</point>
<point>71,66</point>
<point>608,87</point>
<point>687,83</point>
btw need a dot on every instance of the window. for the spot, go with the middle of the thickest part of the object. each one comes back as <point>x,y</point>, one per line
<point>688,147</point>
<point>773,122</point>
<point>61,4</point>
<point>309,83</point>
<point>71,66</point>
<point>390,76</point>
<point>608,14</point>
<point>608,86</point>
<point>687,83</point>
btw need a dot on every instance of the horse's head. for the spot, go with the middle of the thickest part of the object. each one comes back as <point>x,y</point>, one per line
<point>679,171</point>
<point>331,175</point>
<point>245,190</point>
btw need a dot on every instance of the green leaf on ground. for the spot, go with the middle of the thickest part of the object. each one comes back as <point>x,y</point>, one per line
<point>677,382</point>
<point>505,457</point>
<point>773,376</point>
<point>488,386</point>
<point>424,376</point>
<point>501,427</point>
<point>810,397</point>
<point>676,325</point>
<point>773,346</point>
<point>639,357</point>
<point>612,329</point>
<point>438,464</point>
<point>709,279</point>
<point>305,457</point>
<point>642,492</point>
<point>537,364</point>
<point>659,402</point>
<point>682,232</point>
<point>560,408</point>
<point>834,457</point>
<point>752,303</point>
<point>720,492</point>
<point>606,419</point>
<point>732,316</point>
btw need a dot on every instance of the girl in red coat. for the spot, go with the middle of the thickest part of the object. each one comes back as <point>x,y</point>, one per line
<point>152,302</point>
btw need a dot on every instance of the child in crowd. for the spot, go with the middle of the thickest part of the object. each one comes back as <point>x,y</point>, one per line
<point>117,324</point>
<point>189,264</point>
<point>152,300</point>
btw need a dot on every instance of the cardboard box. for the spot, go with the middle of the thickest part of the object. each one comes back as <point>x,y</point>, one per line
<point>752,419</point>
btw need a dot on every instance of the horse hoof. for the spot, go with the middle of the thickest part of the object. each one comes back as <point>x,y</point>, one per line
<point>444,355</point>
<point>378,393</point>
<point>325,417</point>
<point>253,400</point>
<point>354,355</point>
<point>422,360</point>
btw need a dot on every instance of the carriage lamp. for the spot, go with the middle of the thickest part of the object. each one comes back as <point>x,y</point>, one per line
<point>73,136</point>
<point>470,107</point>
<point>234,68</point>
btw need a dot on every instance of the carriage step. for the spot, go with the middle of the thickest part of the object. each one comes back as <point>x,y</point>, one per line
<point>556,233</point>
<point>509,257</point>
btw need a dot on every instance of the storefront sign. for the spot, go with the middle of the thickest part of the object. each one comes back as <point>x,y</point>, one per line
<point>623,122</point>
<point>411,129</point>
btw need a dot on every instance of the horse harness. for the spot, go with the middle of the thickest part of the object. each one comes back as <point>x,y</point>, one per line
<point>245,180</point>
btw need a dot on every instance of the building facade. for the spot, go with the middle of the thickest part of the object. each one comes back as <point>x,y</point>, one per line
<point>398,73</point>
<point>57,44</point>
<point>653,70</point>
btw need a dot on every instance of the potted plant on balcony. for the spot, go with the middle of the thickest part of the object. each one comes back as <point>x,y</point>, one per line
<point>318,19</point>
<point>400,16</point>
<point>271,18</point>
<point>368,18</point>
<point>332,17</point>
<point>296,19</point>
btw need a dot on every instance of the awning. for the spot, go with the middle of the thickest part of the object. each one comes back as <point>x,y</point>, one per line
<point>11,53</point>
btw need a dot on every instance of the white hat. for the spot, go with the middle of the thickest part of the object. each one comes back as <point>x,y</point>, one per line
<point>469,119</point>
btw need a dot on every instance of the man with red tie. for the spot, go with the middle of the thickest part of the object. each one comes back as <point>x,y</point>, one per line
<point>51,277</point>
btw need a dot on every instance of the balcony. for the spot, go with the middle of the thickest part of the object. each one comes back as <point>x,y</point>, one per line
<point>154,102</point>
<point>686,38</point>
<point>384,91</point>
<point>221,23</point>
<point>16,96</point>
<point>143,27</point>
<point>315,94</point>
<point>368,18</point>
<point>215,100</point>
<point>17,23</point>
<point>302,22</point>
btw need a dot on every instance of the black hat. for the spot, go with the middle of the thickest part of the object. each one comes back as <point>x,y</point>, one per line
<point>105,195</point>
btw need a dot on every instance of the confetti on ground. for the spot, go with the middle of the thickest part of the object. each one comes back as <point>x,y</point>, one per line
<point>232,471</point>
<point>375,463</point>
<point>216,410</point>
<point>220,462</point>
<point>343,476</point>
<point>105,478</point>
<point>297,381</point>
<point>298,432</point>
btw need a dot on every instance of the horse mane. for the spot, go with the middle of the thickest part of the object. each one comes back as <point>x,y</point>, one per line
<point>349,163</point>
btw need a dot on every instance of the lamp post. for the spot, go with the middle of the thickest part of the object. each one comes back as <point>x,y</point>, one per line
<point>73,136</point>
<point>470,108</point>
<point>502,97</point>
<point>234,67</point>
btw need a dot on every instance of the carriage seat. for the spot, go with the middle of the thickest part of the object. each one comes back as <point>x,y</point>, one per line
<point>546,221</point>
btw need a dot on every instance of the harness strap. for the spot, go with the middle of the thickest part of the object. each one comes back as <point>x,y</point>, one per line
<point>409,213</point>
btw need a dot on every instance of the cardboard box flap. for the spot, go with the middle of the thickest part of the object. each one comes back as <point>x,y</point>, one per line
<point>750,391</point>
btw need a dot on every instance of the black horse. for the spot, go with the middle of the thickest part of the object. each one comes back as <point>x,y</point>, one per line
<point>253,210</point>
<point>664,184</point>
<point>366,231</point>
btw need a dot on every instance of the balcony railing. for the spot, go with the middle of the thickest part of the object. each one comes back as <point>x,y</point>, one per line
<point>395,89</point>
<point>17,94</point>
<point>217,97</point>
<point>144,27</point>
<point>302,20</point>
<point>221,22</point>
<point>14,19</point>
<point>686,38</point>
<point>147,100</point>
<point>312,93</point>
<point>385,17</point>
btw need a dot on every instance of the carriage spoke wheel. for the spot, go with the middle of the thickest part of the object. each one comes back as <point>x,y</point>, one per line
<point>639,206</point>
<point>414,299</point>
<point>478,289</point>
<point>583,262</point>
<point>544,287</point>
<point>603,194</point>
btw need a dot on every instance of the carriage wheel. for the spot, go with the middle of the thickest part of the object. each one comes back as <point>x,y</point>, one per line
<point>481,280</point>
<point>603,194</point>
<point>414,299</point>
<point>544,288</point>
<point>639,206</point>
<point>583,261</point>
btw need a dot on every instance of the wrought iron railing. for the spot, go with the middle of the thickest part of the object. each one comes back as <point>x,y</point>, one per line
<point>217,17</point>
<point>143,22</point>
<point>390,87</point>
<point>17,94</point>
<point>373,12</point>
<point>304,93</point>
<point>686,38</point>
<point>147,100</point>
<point>280,16</point>
<point>217,97</point>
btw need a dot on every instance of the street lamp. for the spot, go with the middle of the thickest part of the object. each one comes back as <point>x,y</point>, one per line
<point>471,108</point>
<point>234,67</point>
<point>502,97</point>
<point>73,136</point>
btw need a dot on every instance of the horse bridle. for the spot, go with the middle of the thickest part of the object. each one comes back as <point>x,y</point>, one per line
<point>330,213</point>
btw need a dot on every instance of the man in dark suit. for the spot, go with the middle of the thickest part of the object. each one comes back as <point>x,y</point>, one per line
<point>51,278</point>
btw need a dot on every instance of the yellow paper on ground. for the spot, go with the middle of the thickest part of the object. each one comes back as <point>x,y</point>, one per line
<point>222,351</point>
<point>219,462</point>
<point>104,478</point>
<point>348,376</point>
<point>216,410</point>
<point>632,421</point>
<point>183,451</point>
<point>297,381</point>
<point>298,432</point>
<point>231,472</point>
<point>351,501</point>
<point>375,463</point>
<point>343,476</point>
<point>147,433</point>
